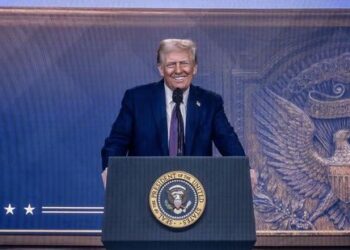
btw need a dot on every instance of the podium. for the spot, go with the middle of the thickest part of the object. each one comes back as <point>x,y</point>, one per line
<point>226,223</point>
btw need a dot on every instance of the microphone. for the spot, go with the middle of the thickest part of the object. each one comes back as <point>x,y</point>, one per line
<point>177,96</point>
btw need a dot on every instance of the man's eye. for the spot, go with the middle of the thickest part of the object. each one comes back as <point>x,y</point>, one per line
<point>170,66</point>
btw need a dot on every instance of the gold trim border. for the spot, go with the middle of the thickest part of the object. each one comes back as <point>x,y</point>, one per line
<point>176,17</point>
<point>259,232</point>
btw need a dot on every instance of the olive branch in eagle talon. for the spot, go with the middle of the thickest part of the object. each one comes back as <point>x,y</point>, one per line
<point>281,214</point>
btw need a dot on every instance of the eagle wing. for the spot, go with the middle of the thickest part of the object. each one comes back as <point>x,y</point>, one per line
<point>170,198</point>
<point>286,135</point>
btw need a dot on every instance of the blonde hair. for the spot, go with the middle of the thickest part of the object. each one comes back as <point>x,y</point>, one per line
<point>168,45</point>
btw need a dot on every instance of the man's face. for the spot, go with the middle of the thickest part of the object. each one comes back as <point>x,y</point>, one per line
<point>178,69</point>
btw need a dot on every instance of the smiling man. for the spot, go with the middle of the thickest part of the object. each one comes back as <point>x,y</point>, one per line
<point>171,117</point>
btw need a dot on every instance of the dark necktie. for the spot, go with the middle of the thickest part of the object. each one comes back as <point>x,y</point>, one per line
<point>176,137</point>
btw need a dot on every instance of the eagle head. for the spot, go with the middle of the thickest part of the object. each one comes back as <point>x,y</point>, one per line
<point>341,136</point>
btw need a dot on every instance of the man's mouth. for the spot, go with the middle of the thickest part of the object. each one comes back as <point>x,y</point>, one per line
<point>179,78</point>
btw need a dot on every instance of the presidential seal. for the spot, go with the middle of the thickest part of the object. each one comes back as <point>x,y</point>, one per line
<point>177,199</point>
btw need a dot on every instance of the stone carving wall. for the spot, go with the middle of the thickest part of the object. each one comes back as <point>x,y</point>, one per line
<point>299,141</point>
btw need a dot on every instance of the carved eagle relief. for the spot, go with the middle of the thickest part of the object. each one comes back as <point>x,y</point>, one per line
<point>286,135</point>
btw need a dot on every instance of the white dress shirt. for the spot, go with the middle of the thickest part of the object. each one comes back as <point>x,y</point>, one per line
<point>170,106</point>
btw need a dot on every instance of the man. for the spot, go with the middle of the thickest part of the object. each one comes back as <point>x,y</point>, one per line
<point>172,116</point>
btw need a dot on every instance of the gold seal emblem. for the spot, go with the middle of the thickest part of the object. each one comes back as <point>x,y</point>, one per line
<point>177,199</point>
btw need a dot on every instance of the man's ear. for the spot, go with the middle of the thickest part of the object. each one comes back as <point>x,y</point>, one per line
<point>160,69</point>
<point>195,69</point>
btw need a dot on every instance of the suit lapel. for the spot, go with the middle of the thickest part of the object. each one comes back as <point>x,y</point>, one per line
<point>159,113</point>
<point>192,117</point>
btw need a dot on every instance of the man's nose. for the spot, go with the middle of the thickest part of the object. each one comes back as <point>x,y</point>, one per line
<point>178,68</point>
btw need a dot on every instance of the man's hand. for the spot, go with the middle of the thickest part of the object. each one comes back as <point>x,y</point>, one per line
<point>104,177</point>
<point>253,178</point>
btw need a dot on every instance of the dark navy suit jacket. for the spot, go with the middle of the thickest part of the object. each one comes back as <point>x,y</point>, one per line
<point>141,126</point>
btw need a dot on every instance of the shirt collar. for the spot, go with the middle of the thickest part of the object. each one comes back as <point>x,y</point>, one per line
<point>169,95</point>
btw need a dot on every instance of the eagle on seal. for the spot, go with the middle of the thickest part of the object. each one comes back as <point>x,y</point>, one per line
<point>177,199</point>
<point>286,134</point>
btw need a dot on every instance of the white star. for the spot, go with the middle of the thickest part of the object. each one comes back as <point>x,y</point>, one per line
<point>9,209</point>
<point>29,209</point>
